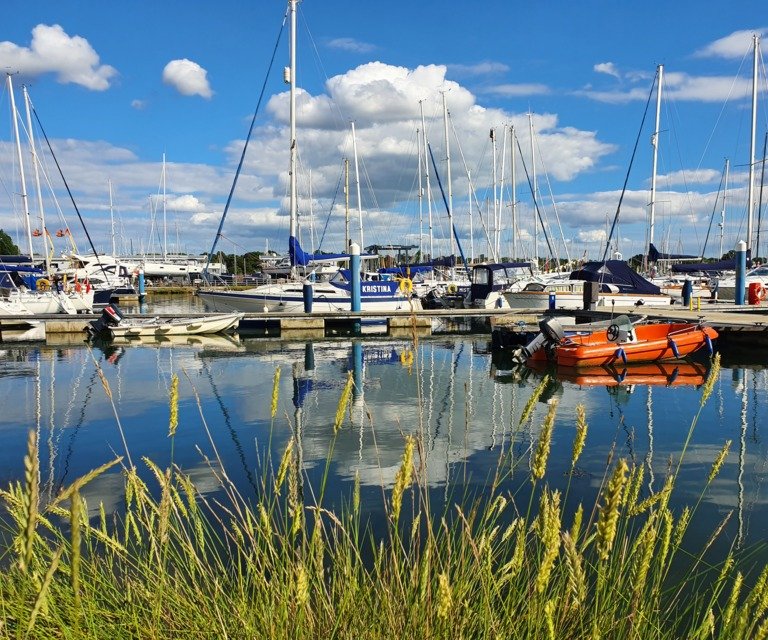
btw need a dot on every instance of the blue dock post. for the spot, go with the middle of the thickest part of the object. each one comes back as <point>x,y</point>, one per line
<point>354,266</point>
<point>741,271</point>
<point>687,292</point>
<point>142,292</point>
<point>308,293</point>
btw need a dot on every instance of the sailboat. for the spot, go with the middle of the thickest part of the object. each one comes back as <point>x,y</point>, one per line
<point>293,295</point>
<point>34,292</point>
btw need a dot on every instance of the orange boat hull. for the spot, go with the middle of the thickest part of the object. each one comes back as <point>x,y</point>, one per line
<point>654,342</point>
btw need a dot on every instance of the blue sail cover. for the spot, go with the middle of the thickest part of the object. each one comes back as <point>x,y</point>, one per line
<point>15,275</point>
<point>654,255</point>
<point>407,269</point>
<point>300,258</point>
<point>618,273</point>
<point>721,265</point>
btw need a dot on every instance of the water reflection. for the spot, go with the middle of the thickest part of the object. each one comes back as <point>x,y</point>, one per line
<point>464,402</point>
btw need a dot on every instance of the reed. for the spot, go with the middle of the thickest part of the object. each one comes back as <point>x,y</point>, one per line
<point>174,562</point>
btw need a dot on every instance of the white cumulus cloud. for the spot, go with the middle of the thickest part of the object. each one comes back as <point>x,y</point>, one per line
<point>608,68</point>
<point>188,78</point>
<point>71,58</point>
<point>732,46</point>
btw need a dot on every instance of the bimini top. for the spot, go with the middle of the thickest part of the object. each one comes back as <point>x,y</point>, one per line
<point>615,272</point>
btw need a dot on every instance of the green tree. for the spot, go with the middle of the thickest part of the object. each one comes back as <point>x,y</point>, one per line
<point>7,248</point>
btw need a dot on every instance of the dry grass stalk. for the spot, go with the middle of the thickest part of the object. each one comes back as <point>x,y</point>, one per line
<point>285,463</point>
<point>403,478</point>
<point>609,511</point>
<point>528,408</point>
<point>74,524</point>
<point>718,463</point>
<point>539,463</point>
<point>30,499</point>
<point>714,375</point>
<point>42,594</point>
<point>173,420</point>
<point>275,392</point>
<point>341,408</point>
<point>549,532</point>
<point>577,580</point>
<point>581,434</point>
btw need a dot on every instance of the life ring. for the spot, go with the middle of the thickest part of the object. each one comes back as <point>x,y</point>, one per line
<point>43,285</point>
<point>406,285</point>
<point>452,289</point>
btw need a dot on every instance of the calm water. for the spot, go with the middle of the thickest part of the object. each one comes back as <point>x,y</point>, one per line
<point>470,410</point>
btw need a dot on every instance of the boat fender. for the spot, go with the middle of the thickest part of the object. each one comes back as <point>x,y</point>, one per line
<point>673,346</point>
<point>620,354</point>
<point>710,346</point>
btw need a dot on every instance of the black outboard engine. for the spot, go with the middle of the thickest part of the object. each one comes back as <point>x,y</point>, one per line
<point>550,334</point>
<point>111,316</point>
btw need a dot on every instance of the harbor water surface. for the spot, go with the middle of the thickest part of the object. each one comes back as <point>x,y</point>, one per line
<point>463,400</point>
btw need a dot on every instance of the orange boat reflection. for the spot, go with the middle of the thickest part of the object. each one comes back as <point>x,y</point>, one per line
<point>668,374</point>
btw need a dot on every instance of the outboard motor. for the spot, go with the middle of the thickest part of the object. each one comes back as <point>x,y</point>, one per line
<point>111,316</point>
<point>550,334</point>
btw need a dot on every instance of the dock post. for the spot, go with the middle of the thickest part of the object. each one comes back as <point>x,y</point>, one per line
<point>741,271</point>
<point>142,291</point>
<point>355,291</point>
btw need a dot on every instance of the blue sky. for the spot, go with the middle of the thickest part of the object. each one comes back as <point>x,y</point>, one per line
<point>117,85</point>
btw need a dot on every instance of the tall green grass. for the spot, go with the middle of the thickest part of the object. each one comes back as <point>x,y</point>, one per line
<point>179,564</point>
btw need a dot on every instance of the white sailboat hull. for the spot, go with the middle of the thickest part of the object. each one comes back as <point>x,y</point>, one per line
<point>289,298</point>
<point>569,300</point>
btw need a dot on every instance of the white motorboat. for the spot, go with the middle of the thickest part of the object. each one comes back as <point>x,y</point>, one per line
<point>158,327</point>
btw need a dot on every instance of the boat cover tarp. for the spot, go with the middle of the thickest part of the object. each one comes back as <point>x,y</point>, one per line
<point>720,265</point>
<point>654,255</point>
<point>7,259</point>
<point>615,272</point>
<point>696,267</point>
<point>300,258</point>
<point>407,269</point>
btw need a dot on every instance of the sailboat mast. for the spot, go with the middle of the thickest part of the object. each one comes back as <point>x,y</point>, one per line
<point>112,219</point>
<point>496,230</point>
<point>426,178</point>
<point>39,191</point>
<point>357,186</point>
<point>448,173</point>
<point>751,195</point>
<point>514,191</point>
<point>421,197</point>
<point>655,144</point>
<point>291,72</point>
<point>722,213</point>
<point>535,188</point>
<point>165,221</point>
<point>24,202</point>
<point>346,204</point>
